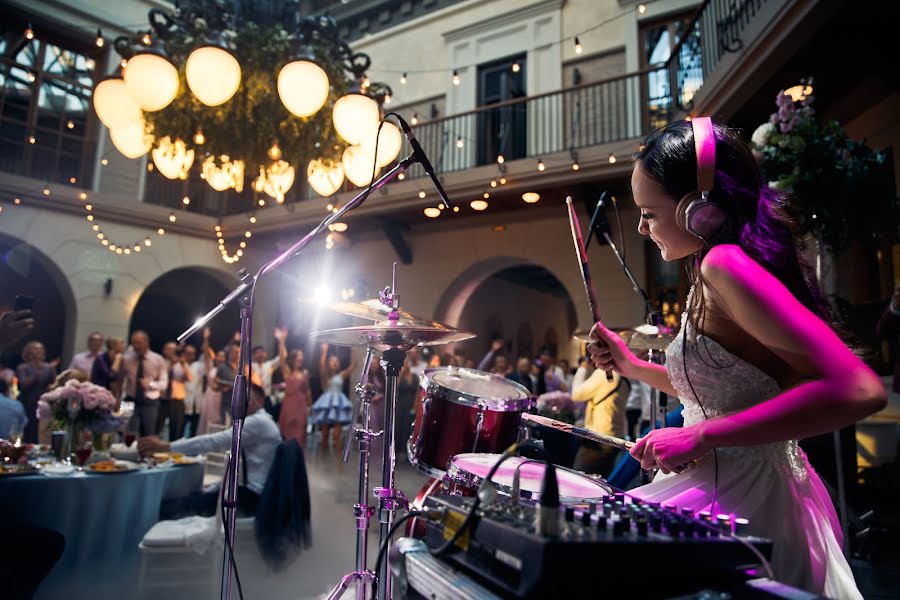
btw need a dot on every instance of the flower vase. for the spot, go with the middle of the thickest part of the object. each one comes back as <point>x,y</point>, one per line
<point>101,443</point>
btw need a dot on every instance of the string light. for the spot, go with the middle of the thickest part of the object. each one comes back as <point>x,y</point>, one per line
<point>262,202</point>
<point>146,39</point>
<point>503,181</point>
<point>29,32</point>
<point>46,191</point>
<point>31,139</point>
<point>478,205</point>
<point>99,41</point>
<point>172,217</point>
<point>70,125</point>
<point>161,231</point>
<point>432,212</point>
<point>575,166</point>
<point>186,200</point>
<point>199,138</point>
<point>500,159</point>
<point>103,162</point>
<point>486,195</point>
<point>541,166</point>
<point>642,8</point>
<point>578,48</point>
<point>147,241</point>
<point>123,63</point>
<point>414,121</point>
<point>403,79</point>
<point>455,77</point>
<point>612,158</point>
<point>401,176</point>
<point>247,234</point>
<point>17,201</point>
<point>421,193</point>
<point>516,67</point>
<point>455,209</point>
<point>459,142</point>
<point>493,183</point>
<point>82,196</point>
<point>252,218</point>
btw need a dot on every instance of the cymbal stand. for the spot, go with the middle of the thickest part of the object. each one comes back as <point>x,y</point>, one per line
<point>390,500</point>
<point>362,512</point>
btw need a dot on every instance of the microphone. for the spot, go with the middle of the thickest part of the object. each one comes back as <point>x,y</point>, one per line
<point>595,224</point>
<point>422,159</point>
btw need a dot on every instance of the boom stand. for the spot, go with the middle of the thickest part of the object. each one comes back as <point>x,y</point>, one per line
<point>241,392</point>
<point>362,512</point>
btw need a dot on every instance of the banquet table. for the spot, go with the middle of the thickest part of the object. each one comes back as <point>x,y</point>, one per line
<point>103,517</point>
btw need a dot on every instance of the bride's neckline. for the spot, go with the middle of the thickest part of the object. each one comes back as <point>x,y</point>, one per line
<point>737,359</point>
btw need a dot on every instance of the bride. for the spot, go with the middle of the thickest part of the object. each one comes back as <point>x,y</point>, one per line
<point>756,363</point>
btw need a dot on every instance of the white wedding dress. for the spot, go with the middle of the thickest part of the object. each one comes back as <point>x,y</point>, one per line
<point>772,485</point>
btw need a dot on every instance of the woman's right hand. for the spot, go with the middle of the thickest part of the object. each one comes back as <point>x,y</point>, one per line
<point>610,353</point>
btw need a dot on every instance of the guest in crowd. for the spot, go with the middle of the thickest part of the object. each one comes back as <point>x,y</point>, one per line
<point>538,377</point>
<point>107,369</point>
<point>332,410</point>
<point>295,406</point>
<point>261,368</point>
<point>494,361</point>
<point>84,361</point>
<point>146,378</point>
<point>193,390</point>
<point>407,393</point>
<point>553,373</point>
<point>35,375</point>
<point>172,403</point>
<point>211,404</point>
<point>522,375</point>
<point>225,374</point>
<point>12,413</point>
<point>259,440</point>
<point>604,413</point>
<point>568,372</point>
<point>417,365</point>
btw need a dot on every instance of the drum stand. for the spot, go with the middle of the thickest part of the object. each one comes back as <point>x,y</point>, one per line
<point>362,512</point>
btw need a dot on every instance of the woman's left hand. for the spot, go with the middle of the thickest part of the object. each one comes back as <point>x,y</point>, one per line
<point>670,449</point>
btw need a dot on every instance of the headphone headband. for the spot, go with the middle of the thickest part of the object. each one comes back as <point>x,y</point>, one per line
<point>705,148</point>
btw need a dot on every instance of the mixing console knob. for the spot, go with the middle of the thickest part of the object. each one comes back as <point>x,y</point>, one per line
<point>620,527</point>
<point>586,518</point>
<point>619,497</point>
<point>642,526</point>
<point>724,522</point>
<point>741,526</point>
<point>607,508</point>
<point>601,522</point>
<point>687,512</point>
<point>592,506</point>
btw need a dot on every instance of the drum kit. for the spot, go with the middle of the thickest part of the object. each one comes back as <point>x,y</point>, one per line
<point>465,418</point>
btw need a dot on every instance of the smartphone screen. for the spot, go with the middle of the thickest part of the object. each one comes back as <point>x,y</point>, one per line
<point>24,303</point>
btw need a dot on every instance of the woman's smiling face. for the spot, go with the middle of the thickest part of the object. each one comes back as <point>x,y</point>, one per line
<point>658,217</point>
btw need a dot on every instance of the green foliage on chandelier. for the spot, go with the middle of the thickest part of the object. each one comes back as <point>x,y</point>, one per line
<point>245,126</point>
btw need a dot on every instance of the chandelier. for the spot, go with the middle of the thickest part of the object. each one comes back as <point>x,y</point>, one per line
<point>249,89</point>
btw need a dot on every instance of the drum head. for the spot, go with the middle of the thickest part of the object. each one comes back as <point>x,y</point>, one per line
<point>574,487</point>
<point>477,388</point>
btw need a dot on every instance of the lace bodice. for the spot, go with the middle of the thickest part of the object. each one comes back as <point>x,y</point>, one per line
<point>724,384</point>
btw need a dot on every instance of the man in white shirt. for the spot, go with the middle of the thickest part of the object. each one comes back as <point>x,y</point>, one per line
<point>193,390</point>
<point>417,365</point>
<point>84,361</point>
<point>259,441</point>
<point>146,376</point>
<point>262,369</point>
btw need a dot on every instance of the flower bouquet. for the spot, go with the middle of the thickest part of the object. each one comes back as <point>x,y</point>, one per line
<point>82,405</point>
<point>557,405</point>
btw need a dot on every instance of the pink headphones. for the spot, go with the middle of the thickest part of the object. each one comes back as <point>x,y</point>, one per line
<point>695,213</point>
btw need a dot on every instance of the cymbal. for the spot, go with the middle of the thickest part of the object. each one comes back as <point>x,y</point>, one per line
<point>374,310</point>
<point>385,335</point>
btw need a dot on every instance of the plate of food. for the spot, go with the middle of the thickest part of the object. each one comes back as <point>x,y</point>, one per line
<point>16,469</point>
<point>57,469</point>
<point>165,459</point>
<point>111,466</point>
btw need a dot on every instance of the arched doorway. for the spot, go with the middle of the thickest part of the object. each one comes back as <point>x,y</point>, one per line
<point>523,303</point>
<point>25,270</point>
<point>174,301</point>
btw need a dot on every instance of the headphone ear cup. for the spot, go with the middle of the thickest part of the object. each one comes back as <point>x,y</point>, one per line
<point>681,210</point>
<point>703,219</point>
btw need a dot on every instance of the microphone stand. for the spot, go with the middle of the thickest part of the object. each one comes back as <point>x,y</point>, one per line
<point>240,394</point>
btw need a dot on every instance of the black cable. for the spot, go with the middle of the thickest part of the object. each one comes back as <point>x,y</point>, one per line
<point>621,230</point>
<point>382,550</point>
<point>684,347</point>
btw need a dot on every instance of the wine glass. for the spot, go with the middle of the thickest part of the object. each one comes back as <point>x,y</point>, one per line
<point>83,454</point>
<point>129,438</point>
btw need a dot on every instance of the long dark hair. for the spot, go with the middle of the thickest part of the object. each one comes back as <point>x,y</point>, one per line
<point>758,219</point>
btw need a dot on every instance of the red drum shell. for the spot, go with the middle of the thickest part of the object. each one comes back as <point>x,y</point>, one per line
<point>452,401</point>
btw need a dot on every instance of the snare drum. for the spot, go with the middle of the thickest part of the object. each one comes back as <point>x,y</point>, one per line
<point>467,471</point>
<point>464,410</point>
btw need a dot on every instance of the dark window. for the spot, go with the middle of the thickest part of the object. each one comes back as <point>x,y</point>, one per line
<point>47,130</point>
<point>658,42</point>
<point>501,130</point>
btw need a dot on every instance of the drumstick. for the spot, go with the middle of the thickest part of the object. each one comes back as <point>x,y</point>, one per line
<point>585,269</point>
<point>606,440</point>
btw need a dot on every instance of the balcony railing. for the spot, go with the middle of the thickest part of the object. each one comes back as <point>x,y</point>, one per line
<point>621,108</point>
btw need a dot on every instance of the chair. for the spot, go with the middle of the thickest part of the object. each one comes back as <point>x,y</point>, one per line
<point>172,568</point>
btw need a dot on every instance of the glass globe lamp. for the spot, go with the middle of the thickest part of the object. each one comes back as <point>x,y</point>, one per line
<point>151,80</point>
<point>114,105</point>
<point>356,118</point>
<point>212,74</point>
<point>358,162</point>
<point>303,87</point>
<point>133,141</point>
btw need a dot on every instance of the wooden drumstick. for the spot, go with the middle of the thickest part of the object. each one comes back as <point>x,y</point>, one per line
<point>587,434</point>
<point>585,268</point>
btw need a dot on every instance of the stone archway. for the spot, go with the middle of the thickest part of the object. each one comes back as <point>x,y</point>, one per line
<point>174,300</point>
<point>28,271</point>
<point>515,296</point>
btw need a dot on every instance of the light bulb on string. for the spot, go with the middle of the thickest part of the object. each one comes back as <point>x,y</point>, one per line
<point>642,8</point>
<point>29,32</point>
<point>612,159</point>
<point>493,183</point>
<point>500,159</point>
<point>575,166</point>
<point>253,218</point>
<point>414,121</point>
<point>516,67</point>
<point>274,152</point>
<point>172,217</point>
<point>541,166</point>
<point>455,77</point>
<point>459,142</point>
<point>99,41</point>
<point>403,78</point>
<point>145,39</point>
<point>578,48</point>
<point>199,138</point>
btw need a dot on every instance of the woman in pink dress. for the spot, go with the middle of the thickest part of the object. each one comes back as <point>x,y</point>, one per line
<point>209,404</point>
<point>295,406</point>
